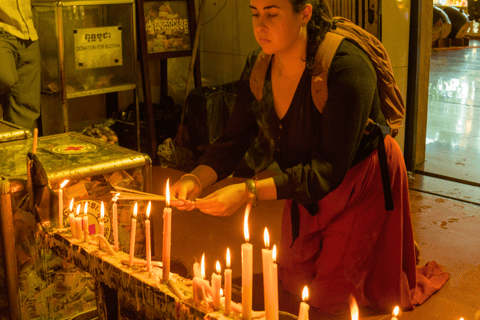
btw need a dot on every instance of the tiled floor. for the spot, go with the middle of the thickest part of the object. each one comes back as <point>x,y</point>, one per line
<point>445,228</point>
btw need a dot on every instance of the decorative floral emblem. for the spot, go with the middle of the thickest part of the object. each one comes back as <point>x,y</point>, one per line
<point>72,149</point>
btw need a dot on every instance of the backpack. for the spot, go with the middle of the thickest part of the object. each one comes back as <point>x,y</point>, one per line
<point>391,101</point>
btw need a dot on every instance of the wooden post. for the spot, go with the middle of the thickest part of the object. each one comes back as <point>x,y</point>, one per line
<point>9,254</point>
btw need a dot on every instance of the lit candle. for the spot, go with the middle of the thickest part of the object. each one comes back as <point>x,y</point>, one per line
<point>354,312</point>
<point>228,286</point>
<point>395,312</point>
<point>147,234</point>
<point>78,224</point>
<point>303,313</point>
<point>247,270</point>
<point>216,286</point>
<point>115,222</point>
<point>60,204</point>
<point>101,226</point>
<point>205,283</point>
<point>132,235</point>
<point>71,219</point>
<point>167,227</point>
<point>86,234</point>
<point>275,282</point>
<point>267,263</point>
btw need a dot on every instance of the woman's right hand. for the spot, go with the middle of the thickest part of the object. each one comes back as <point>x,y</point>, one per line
<point>187,188</point>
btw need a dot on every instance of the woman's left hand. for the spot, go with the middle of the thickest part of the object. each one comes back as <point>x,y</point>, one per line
<point>223,202</point>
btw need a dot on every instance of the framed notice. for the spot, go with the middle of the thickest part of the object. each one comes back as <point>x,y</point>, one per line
<point>167,27</point>
<point>98,47</point>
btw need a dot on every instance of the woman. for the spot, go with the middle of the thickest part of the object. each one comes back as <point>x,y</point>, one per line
<point>337,237</point>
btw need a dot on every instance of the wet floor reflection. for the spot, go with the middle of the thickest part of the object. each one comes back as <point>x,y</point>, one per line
<point>453,120</point>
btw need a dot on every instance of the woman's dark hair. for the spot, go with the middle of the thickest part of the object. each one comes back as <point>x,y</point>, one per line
<point>320,23</point>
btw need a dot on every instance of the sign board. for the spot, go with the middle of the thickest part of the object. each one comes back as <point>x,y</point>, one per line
<point>98,47</point>
<point>167,26</point>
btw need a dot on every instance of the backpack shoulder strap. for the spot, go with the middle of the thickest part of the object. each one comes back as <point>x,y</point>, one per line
<point>259,71</point>
<point>325,53</point>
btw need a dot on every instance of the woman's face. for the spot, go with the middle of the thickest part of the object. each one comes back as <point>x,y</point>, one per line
<point>276,26</point>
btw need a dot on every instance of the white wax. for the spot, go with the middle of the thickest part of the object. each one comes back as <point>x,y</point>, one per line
<point>167,228</point>
<point>60,208</point>
<point>268,284</point>
<point>132,241</point>
<point>115,227</point>
<point>275,288</point>
<point>148,245</point>
<point>101,231</point>
<point>247,280</point>
<point>228,291</point>
<point>71,219</point>
<point>198,290</point>
<point>197,271</point>
<point>216,286</point>
<point>78,227</point>
<point>86,234</point>
<point>303,313</point>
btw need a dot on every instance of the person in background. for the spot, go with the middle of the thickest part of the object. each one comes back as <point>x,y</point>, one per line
<point>337,236</point>
<point>19,64</point>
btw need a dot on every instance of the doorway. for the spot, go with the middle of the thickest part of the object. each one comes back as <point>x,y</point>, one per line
<point>452,141</point>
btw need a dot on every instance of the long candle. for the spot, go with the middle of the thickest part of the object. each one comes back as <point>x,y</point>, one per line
<point>268,283</point>
<point>115,222</point>
<point>247,270</point>
<point>147,234</point>
<point>167,228</point>
<point>60,204</point>
<point>78,224</point>
<point>71,219</point>
<point>275,282</point>
<point>216,286</point>
<point>86,234</point>
<point>228,286</point>
<point>101,226</point>
<point>132,235</point>
<point>303,313</point>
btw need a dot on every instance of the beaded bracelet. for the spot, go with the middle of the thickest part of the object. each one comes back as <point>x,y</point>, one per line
<point>252,191</point>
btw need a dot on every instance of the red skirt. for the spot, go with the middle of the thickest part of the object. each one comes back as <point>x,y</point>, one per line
<point>353,246</point>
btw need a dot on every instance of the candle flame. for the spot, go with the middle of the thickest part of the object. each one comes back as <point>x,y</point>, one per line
<point>149,207</point>
<point>274,253</point>
<point>71,205</point>
<point>228,258</point>
<point>221,292</point>
<point>266,238</point>
<point>245,224</point>
<point>218,267</point>
<point>353,308</point>
<point>167,194</point>
<point>305,293</point>
<point>396,310</point>
<point>135,210</point>
<point>64,183</point>
<point>115,197</point>
<point>102,211</point>
<point>78,209</point>
<point>202,266</point>
<point>85,209</point>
